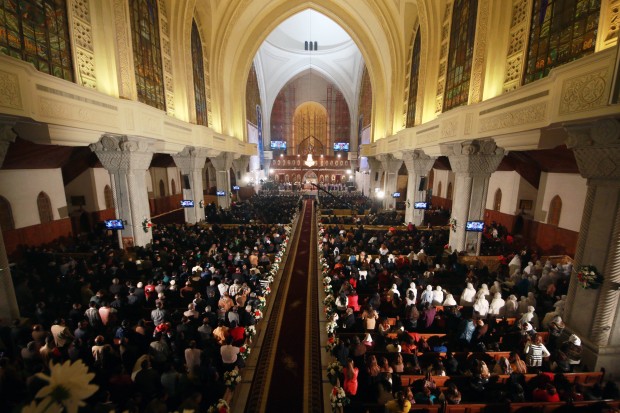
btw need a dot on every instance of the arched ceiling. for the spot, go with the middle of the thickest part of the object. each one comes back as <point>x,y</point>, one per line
<point>283,56</point>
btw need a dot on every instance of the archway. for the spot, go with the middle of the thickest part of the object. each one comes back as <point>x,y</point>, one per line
<point>310,177</point>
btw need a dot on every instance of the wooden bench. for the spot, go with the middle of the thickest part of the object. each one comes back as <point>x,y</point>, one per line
<point>539,407</point>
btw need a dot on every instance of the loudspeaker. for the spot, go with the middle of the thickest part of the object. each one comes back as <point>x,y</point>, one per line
<point>186,184</point>
<point>422,184</point>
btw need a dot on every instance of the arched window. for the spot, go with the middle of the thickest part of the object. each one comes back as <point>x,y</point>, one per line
<point>36,31</point>
<point>497,201</point>
<point>462,35</point>
<point>555,210</point>
<point>147,52</point>
<point>45,208</point>
<point>449,192</point>
<point>413,80</point>
<point>109,197</point>
<point>6,214</point>
<point>174,187</point>
<point>162,188</point>
<point>561,31</point>
<point>431,178</point>
<point>200,95</point>
<point>439,189</point>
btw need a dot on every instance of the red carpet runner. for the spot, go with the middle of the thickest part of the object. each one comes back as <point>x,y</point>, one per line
<point>288,373</point>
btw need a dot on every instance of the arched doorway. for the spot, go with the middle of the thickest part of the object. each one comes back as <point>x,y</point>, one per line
<point>310,177</point>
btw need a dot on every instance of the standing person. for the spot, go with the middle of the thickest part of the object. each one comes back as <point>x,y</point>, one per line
<point>535,352</point>
<point>350,378</point>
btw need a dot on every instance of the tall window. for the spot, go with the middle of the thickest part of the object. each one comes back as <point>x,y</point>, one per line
<point>449,192</point>
<point>147,52</point>
<point>497,202</point>
<point>174,187</point>
<point>561,31</point>
<point>45,208</point>
<point>162,188</point>
<point>413,81</point>
<point>109,197</point>
<point>439,189</point>
<point>200,96</point>
<point>555,210</point>
<point>36,31</point>
<point>6,214</point>
<point>462,35</point>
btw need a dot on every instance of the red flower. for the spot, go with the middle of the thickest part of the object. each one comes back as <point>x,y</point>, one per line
<point>242,349</point>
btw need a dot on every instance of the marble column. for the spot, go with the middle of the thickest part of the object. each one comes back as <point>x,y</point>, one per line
<point>191,162</point>
<point>593,314</point>
<point>390,165</point>
<point>418,166</point>
<point>222,164</point>
<point>8,302</point>
<point>240,166</point>
<point>127,159</point>
<point>472,162</point>
<point>374,173</point>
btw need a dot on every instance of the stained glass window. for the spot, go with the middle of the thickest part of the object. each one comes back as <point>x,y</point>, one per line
<point>462,36</point>
<point>413,81</point>
<point>36,31</point>
<point>561,31</point>
<point>147,52</point>
<point>200,95</point>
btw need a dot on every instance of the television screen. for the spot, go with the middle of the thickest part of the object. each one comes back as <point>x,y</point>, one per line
<point>235,187</point>
<point>220,193</point>
<point>187,203</point>
<point>475,226</point>
<point>341,146</point>
<point>396,195</point>
<point>278,145</point>
<point>114,224</point>
<point>420,205</point>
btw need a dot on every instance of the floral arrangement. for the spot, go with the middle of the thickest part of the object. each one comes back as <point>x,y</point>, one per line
<point>331,326</point>
<point>68,386</point>
<point>334,370</point>
<point>329,300</point>
<point>244,351</point>
<point>261,302</point>
<point>220,407</point>
<point>267,290</point>
<point>327,280</point>
<point>232,378</point>
<point>452,224</point>
<point>258,314</point>
<point>270,279</point>
<point>588,277</point>
<point>250,331</point>
<point>338,398</point>
<point>329,289</point>
<point>332,342</point>
<point>146,225</point>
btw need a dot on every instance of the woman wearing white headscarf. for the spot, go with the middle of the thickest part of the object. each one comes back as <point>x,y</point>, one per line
<point>496,288</point>
<point>483,291</point>
<point>481,306</point>
<point>393,292</point>
<point>511,307</point>
<point>531,299</point>
<point>496,308</point>
<point>449,301</point>
<point>530,317</point>
<point>412,287</point>
<point>468,295</point>
<point>514,264</point>
<point>529,269</point>
<point>523,305</point>
<point>427,295</point>
<point>438,296</point>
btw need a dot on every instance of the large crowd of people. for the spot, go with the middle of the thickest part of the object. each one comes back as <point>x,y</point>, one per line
<point>400,303</point>
<point>160,327</point>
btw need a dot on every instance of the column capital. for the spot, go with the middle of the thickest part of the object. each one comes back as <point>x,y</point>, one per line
<point>596,147</point>
<point>476,157</point>
<point>122,152</point>
<point>190,158</point>
<point>374,163</point>
<point>7,136</point>
<point>418,162</point>
<point>241,163</point>
<point>390,163</point>
<point>223,161</point>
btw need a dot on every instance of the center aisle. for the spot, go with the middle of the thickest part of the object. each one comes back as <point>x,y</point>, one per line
<point>288,373</point>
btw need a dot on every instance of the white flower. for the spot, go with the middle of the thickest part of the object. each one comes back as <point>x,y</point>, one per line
<point>68,385</point>
<point>42,406</point>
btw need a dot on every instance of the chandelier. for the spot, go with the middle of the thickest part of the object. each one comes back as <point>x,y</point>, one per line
<point>309,162</point>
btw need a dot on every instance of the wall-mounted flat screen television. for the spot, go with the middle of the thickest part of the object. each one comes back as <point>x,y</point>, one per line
<point>220,193</point>
<point>420,205</point>
<point>396,195</point>
<point>187,203</point>
<point>235,187</point>
<point>114,224</point>
<point>341,146</point>
<point>474,226</point>
<point>278,145</point>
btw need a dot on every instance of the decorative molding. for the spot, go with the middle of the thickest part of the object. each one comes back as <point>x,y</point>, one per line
<point>448,128</point>
<point>121,152</point>
<point>418,162</point>
<point>478,156</point>
<point>612,23</point>
<point>480,52</point>
<point>597,148</point>
<point>529,114</point>
<point>443,57</point>
<point>516,56</point>
<point>81,32</point>
<point>166,57</point>
<point>125,71</point>
<point>7,136</point>
<point>469,120</point>
<point>584,92</point>
<point>10,94</point>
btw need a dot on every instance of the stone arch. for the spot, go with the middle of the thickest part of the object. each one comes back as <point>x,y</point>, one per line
<point>6,214</point>
<point>555,211</point>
